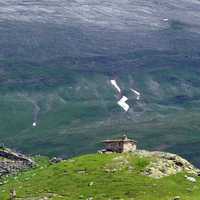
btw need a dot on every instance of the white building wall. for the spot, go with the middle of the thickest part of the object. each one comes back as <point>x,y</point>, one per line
<point>129,147</point>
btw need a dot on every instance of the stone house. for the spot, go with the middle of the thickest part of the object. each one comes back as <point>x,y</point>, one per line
<point>120,145</point>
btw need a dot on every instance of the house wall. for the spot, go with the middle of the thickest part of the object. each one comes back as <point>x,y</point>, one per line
<point>115,146</point>
<point>129,147</point>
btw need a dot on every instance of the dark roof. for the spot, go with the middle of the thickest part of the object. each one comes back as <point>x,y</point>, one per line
<point>123,139</point>
<point>119,140</point>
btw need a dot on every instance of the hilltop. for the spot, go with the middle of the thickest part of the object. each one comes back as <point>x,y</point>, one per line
<point>140,175</point>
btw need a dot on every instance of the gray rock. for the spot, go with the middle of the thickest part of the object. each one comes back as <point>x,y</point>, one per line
<point>165,164</point>
<point>56,160</point>
<point>12,162</point>
<point>177,198</point>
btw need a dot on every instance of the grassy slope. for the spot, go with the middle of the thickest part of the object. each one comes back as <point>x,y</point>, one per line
<point>83,108</point>
<point>88,176</point>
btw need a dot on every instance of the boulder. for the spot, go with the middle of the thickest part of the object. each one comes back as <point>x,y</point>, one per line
<point>56,160</point>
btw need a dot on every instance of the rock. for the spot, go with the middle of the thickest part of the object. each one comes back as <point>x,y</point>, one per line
<point>165,164</point>
<point>91,184</point>
<point>81,171</point>
<point>56,160</point>
<point>90,198</point>
<point>11,155</point>
<point>12,162</point>
<point>177,198</point>
<point>191,179</point>
<point>13,194</point>
<point>101,151</point>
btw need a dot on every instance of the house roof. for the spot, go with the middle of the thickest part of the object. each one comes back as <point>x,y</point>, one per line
<point>123,139</point>
<point>112,141</point>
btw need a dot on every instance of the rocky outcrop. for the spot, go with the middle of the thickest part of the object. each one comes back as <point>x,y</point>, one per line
<point>165,164</point>
<point>9,154</point>
<point>56,160</point>
<point>12,162</point>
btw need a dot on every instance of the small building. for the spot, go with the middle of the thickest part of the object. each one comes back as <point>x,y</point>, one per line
<point>120,145</point>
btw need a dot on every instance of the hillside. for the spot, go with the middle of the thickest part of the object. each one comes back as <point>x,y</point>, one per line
<point>56,61</point>
<point>69,116</point>
<point>130,176</point>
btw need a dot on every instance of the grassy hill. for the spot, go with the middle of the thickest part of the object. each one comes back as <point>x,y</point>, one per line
<point>99,177</point>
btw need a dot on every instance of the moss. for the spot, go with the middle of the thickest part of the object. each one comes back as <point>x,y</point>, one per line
<point>85,176</point>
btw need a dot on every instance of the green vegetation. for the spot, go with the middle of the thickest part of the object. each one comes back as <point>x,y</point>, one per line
<point>99,177</point>
<point>71,114</point>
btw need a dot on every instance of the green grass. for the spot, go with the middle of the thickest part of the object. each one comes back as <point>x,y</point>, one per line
<point>114,176</point>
